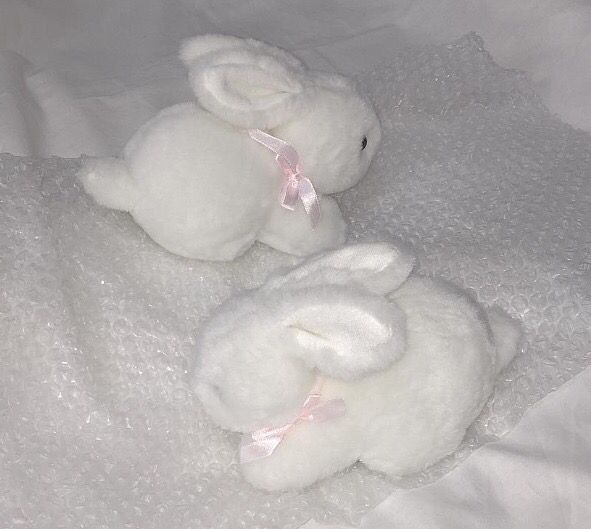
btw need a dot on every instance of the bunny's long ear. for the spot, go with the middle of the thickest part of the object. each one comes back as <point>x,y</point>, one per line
<point>345,333</point>
<point>195,48</point>
<point>249,84</point>
<point>380,268</point>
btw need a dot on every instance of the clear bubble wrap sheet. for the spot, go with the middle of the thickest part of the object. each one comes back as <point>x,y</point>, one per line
<point>98,427</point>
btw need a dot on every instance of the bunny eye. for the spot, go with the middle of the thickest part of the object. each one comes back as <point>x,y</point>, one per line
<point>364,142</point>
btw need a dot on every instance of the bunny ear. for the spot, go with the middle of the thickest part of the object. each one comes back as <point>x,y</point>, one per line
<point>345,333</point>
<point>379,267</point>
<point>248,87</point>
<point>195,48</point>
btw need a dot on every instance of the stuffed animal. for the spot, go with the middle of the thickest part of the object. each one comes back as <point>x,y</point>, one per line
<point>251,160</point>
<point>347,359</point>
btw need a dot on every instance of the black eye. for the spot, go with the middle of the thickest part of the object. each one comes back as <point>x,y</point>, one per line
<point>364,142</point>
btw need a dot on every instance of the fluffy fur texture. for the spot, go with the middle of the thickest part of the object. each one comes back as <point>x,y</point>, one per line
<point>200,187</point>
<point>414,359</point>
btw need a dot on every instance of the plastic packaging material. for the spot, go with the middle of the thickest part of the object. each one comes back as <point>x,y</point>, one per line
<point>99,429</point>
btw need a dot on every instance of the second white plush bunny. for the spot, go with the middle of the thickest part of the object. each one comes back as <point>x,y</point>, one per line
<point>202,187</point>
<point>345,358</point>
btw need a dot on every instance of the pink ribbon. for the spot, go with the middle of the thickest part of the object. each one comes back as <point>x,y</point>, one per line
<point>296,186</point>
<point>262,443</point>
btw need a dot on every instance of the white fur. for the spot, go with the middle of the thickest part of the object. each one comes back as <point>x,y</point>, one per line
<point>414,359</point>
<point>197,183</point>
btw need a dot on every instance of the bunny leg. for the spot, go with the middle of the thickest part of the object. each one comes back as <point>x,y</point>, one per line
<point>108,181</point>
<point>292,231</point>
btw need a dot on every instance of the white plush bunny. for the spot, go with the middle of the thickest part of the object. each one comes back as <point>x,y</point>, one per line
<point>392,370</point>
<point>200,186</point>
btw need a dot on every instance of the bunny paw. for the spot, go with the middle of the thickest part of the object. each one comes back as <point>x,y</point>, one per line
<point>292,231</point>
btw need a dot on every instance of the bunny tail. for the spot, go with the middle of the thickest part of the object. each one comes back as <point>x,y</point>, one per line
<point>108,181</point>
<point>507,336</point>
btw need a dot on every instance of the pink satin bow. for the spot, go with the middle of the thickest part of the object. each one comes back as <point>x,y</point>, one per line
<point>296,185</point>
<point>262,443</point>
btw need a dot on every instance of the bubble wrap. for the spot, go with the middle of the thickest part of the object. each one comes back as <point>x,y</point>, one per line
<point>98,428</point>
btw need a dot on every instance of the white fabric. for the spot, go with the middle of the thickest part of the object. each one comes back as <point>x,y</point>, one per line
<point>537,477</point>
<point>81,76</point>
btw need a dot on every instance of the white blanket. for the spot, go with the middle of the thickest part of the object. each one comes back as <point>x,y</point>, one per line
<point>98,426</point>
